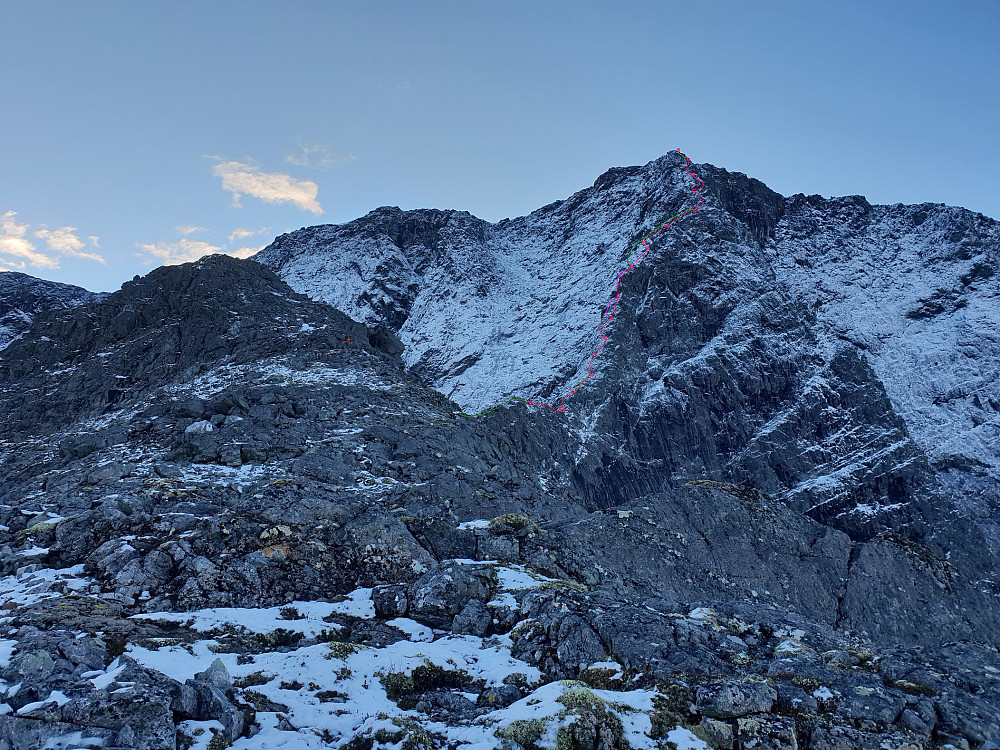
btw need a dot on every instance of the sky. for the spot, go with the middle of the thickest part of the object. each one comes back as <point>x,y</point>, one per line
<point>136,134</point>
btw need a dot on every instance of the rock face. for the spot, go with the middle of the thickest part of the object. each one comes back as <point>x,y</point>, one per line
<point>224,504</point>
<point>836,355</point>
<point>490,310</point>
<point>23,297</point>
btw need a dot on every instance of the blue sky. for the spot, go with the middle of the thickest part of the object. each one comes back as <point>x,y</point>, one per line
<point>134,133</point>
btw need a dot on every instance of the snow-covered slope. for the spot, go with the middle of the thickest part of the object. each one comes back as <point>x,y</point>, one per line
<point>488,311</point>
<point>915,288</point>
<point>22,297</point>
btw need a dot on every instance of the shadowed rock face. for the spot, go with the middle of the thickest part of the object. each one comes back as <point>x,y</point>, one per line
<point>738,513</point>
<point>171,323</point>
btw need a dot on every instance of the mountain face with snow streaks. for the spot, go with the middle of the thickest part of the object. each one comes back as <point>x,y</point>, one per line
<point>233,492</point>
<point>839,355</point>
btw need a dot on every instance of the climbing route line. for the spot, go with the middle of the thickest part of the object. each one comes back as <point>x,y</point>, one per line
<point>612,308</point>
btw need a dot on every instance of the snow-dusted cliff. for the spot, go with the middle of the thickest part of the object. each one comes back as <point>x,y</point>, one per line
<point>22,297</point>
<point>838,354</point>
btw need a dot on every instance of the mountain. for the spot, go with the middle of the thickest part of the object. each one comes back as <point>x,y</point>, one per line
<point>22,297</point>
<point>838,355</point>
<point>232,513</point>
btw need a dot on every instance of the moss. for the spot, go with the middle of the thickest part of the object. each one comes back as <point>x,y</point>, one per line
<point>915,688</point>
<point>581,698</point>
<point>252,680</point>
<point>806,683</point>
<point>261,702</point>
<point>603,678</point>
<point>743,493</point>
<point>342,649</point>
<point>562,584</point>
<point>519,679</point>
<point>330,696</point>
<point>417,738</point>
<point>590,729</point>
<point>521,629</point>
<point>670,708</point>
<point>511,523</point>
<point>291,613</point>
<point>290,685</point>
<point>219,742</point>
<point>525,732</point>
<point>359,742</point>
<point>403,689</point>
<point>702,734</point>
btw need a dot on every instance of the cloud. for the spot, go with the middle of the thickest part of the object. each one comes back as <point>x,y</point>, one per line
<point>185,249</point>
<point>93,239</point>
<point>64,241</point>
<point>318,156</point>
<point>271,187</point>
<point>246,252</point>
<point>187,229</point>
<point>180,251</point>
<point>13,243</point>
<point>240,233</point>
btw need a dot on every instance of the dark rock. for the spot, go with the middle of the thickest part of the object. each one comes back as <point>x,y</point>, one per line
<point>729,700</point>
<point>474,619</point>
<point>792,699</point>
<point>874,703</point>
<point>439,595</point>
<point>390,601</point>
<point>766,733</point>
<point>81,446</point>
<point>499,696</point>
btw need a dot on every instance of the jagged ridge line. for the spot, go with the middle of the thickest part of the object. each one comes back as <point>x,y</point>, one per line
<point>609,312</point>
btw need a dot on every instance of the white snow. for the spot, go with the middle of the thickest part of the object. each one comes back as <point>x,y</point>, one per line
<point>29,588</point>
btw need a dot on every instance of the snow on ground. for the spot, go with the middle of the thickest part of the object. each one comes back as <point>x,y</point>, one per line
<point>328,692</point>
<point>32,586</point>
<point>274,371</point>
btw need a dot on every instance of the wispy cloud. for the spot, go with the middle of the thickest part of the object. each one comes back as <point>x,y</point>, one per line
<point>183,250</point>
<point>246,252</point>
<point>240,178</point>
<point>240,233</point>
<point>64,240</point>
<point>318,156</point>
<point>20,251</point>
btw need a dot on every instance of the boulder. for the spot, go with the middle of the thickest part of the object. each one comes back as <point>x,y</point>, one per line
<point>437,596</point>
<point>728,700</point>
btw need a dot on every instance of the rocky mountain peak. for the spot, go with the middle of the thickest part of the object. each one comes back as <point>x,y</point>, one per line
<point>172,323</point>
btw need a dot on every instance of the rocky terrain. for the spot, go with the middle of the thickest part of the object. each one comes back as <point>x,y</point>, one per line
<point>231,515</point>
<point>22,297</point>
